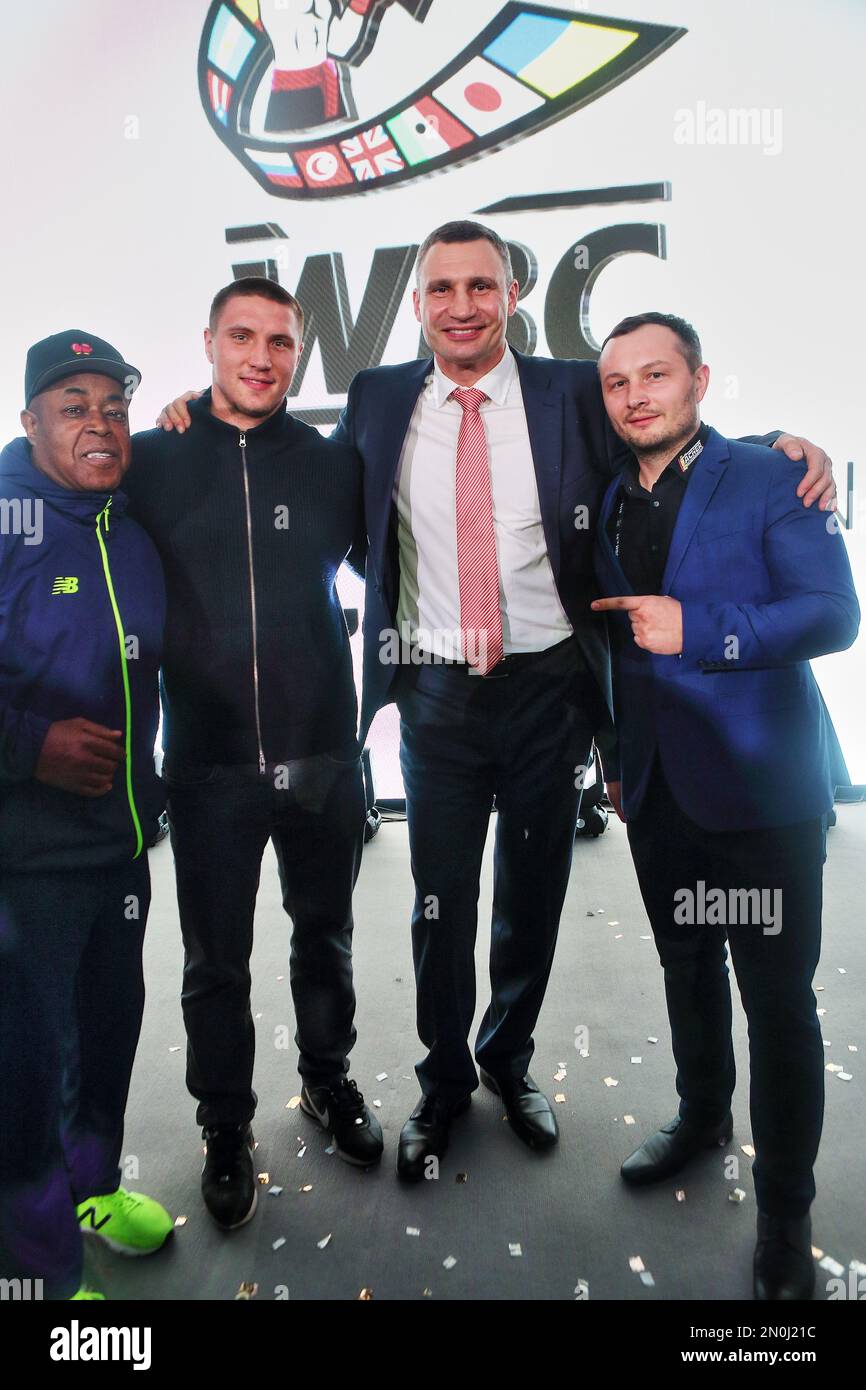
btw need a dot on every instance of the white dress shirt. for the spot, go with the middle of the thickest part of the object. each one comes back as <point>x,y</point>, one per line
<point>428,611</point>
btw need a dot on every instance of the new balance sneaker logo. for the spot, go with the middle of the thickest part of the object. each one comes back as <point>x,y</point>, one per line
<point>65,585</point>
<point>89,1215</point>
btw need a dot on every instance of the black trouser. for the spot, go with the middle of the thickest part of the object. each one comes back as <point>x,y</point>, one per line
<point>71,1000</point>
<point>774,969</point>
<point>313,811</point>
<point>464,739</point>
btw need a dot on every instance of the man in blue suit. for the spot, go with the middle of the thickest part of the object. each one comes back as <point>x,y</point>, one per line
<point>722,588</point>
<point>505,552</point>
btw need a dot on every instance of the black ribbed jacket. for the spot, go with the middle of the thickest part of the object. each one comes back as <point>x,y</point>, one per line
<point>306,513</point>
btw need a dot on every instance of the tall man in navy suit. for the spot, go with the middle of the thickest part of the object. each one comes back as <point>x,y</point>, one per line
<point>477,621</point>
<point>723,587</point>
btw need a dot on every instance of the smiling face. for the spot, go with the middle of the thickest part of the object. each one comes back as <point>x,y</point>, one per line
<point>650,392</point>
<point>255,346</point>
<point>463,304</point>
<point>79,430</point>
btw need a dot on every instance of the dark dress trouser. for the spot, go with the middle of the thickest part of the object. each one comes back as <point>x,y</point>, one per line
<point>71,1002</point>
<point>464,739</point>
<point>774,972</point>
<point>313,811</point>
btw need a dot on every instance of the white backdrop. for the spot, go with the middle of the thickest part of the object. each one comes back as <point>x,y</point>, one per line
<point>117,196</point>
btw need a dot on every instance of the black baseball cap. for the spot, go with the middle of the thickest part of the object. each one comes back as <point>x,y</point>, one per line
<point>67,354</point>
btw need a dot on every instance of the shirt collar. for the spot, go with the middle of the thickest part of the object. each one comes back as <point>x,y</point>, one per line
<point>679,468</point>
<point>496,384</point>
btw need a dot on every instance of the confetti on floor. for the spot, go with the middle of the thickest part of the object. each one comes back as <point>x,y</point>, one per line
<point>365,1295</point>
<point>277,1244</point>
<point>629,1119</point>
<point>748,1150</point>
<point>738,1195</point>
<point>560,1075</point>
<point>247,1290</point>
<point>281,977</point>
<point>581,1290</point>
<point>842,970</point>
<point>590,913</point>
<point>636,1061</point>
<point>462,1177</point>
<point>515,1248</point>
<point>378,1104</point>
<point>325,1241</point>
<point>821,1012</point>
<point>833,1066</point>
<point>331,1149</point>
<point>646,1278</point>
<point>845,1075</point>
<point>680,1194</point>
<point>427,1293</point>
<point>583,1052</point>
<point>301,1151</point>
<point>263,1178</point>
<point>449,1262</point>
<point>382,1076</point>
<point>852,1047</point>
<point>652,1040</point>
<point>817,1253</point>
<point>618,936</point>
<point>646,938</point>
<point>274,1191</point>
<point>858,1266</point>
<point>307,1187</point>
<point>610,1081</point>
<point>613,924</point>
<point>636,1264</point>
<point>293,1103</point>
<point>181,1220</point>
<point>559,1098</point>
<point>413,1230</point>
<point>174,1049</point>
<point>832,1266</point>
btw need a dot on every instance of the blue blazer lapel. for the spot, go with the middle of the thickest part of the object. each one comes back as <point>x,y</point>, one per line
<point>403,393</point>
<point>608,554</point>
<point>544,420</point>
<point>709,468</point>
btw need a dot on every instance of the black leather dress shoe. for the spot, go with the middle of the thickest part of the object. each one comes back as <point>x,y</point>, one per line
<point>425,1135</point>
<point>784,1268</point>
<point>671,1147</point>
<point>528,1110</point>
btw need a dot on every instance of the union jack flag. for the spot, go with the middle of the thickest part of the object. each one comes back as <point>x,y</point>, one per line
<point>372,154</point>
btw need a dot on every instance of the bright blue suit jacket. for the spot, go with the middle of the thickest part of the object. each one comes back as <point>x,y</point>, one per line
<point>737,719</point>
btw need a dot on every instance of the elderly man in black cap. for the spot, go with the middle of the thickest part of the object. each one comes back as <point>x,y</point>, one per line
<point>82,607</point>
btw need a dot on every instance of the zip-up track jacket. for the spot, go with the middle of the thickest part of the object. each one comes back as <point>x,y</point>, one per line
<point>252,528</point>
<point>82,608</point>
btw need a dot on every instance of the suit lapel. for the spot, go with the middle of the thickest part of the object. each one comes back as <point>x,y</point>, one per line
<point>709,469</point>
<point>389,436</point>
<point>609,555</point>
<point>544,419</point>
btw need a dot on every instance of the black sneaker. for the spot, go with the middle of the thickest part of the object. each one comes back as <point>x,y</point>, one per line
<point>228,1184</point>
<point>340,1109</point>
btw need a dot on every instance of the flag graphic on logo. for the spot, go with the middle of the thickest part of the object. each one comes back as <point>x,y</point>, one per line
<point>277,167</point>
<point>532,64</point>
<point>323,167</point>
<point>371,154</point>
<point>220,95</point>
<point>426,130</point>
<point>485,98</point>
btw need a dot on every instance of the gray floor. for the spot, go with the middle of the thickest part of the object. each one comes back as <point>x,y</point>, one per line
<point>568,1211</point>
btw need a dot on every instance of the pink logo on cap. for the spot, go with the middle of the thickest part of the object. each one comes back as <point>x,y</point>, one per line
<point>81,347</point>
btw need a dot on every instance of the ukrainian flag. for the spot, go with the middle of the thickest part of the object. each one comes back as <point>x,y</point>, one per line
<point>553,55</point>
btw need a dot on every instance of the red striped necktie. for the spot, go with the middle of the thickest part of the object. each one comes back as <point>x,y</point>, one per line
<point>477,567</point>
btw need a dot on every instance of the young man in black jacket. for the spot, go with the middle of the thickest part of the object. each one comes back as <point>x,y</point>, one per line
<point>253,514</point>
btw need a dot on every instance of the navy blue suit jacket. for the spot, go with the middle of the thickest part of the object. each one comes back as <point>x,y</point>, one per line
<point>575,454</point>
<point>765,584</point>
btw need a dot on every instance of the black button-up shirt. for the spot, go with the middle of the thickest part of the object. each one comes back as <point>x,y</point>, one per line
<point>641,523</point>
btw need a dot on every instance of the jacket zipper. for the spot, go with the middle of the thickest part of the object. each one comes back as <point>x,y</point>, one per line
<point>242,441</point>
<point>139,839</point>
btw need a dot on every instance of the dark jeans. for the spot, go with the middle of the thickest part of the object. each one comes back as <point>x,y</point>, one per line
<point>463,740</point>
<point>313,812</point>
<point>71,1000</point>
<point>774,972</point>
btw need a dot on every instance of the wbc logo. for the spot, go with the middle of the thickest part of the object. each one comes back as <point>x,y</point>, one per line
<point>301,93</point>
